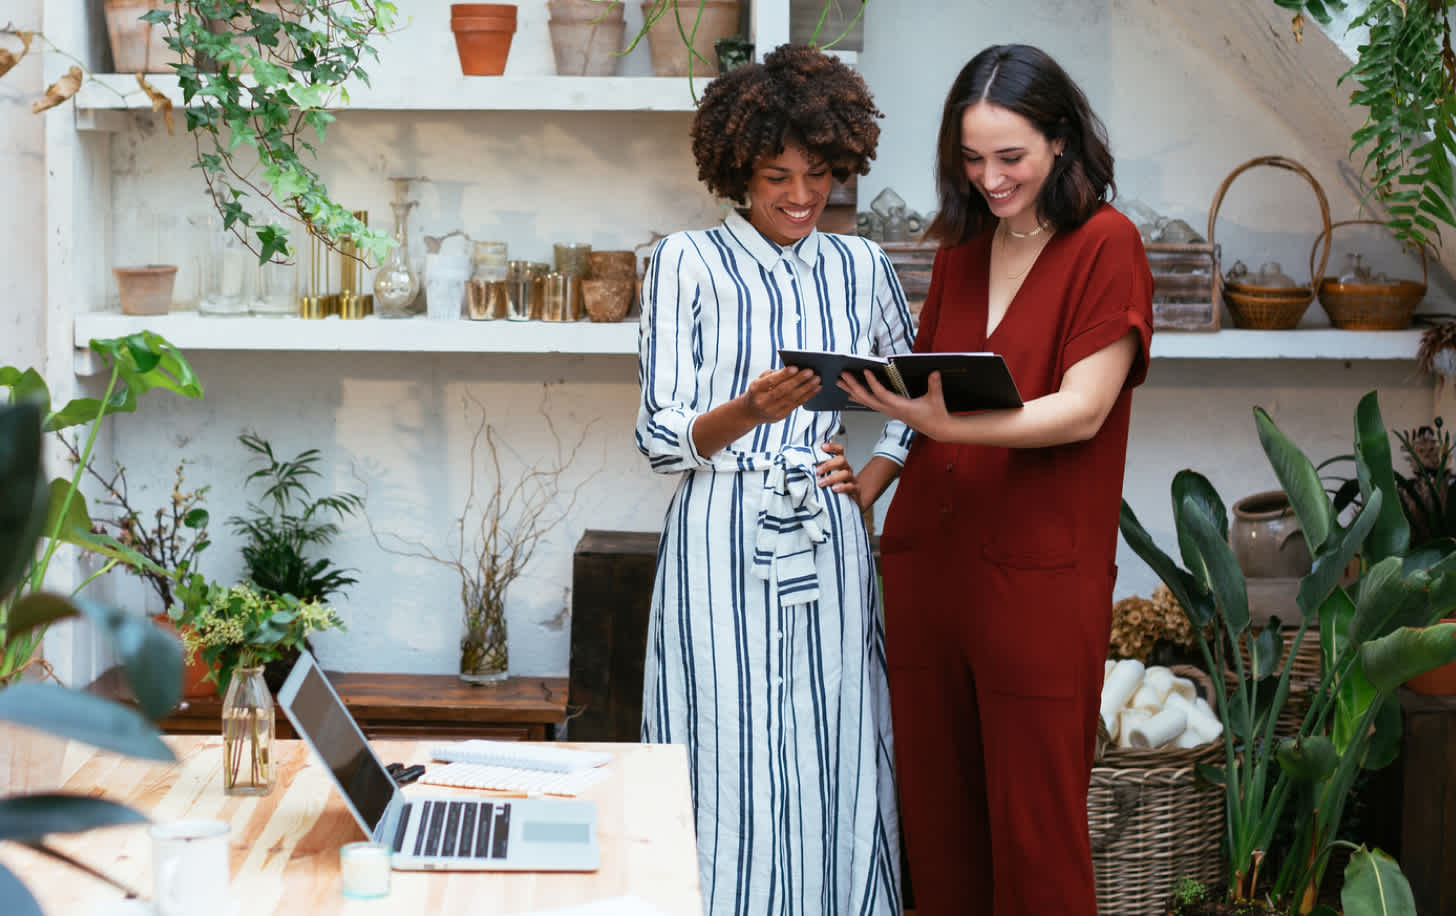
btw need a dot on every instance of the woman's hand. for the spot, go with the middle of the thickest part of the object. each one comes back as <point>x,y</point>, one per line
<point>924,414</point>
<point>775,394</point>
<point>836,473</point>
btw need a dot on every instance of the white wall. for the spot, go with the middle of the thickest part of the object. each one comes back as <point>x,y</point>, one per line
<point>22,187</point>
<point>397,420</point>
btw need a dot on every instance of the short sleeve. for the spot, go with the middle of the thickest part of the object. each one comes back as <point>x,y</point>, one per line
<point>893,332</point>
<point>1116,295</point>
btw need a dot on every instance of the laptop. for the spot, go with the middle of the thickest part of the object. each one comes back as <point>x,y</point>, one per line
<point>439,832</point>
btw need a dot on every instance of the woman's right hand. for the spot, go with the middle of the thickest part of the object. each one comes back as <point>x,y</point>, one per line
<point>774,395</point>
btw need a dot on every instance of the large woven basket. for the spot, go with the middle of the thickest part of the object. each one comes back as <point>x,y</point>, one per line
<point>1369,306</point>
<point>1152,821</point>
<point>1272,308</point>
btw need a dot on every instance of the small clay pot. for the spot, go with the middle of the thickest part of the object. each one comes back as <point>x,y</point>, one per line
<point>145,290</point>
<point>1266,538</point>
<point>483,33</point>
<point>1438,682</point>
<point>608,298</point>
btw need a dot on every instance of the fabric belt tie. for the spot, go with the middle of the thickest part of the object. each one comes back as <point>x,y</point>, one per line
<point>791,521</point>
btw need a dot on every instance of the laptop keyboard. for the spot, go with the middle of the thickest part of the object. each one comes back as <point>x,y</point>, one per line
<point>457,829</point>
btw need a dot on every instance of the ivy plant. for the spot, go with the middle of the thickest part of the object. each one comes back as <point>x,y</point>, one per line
<point>1405,76</point>
<point>258,80</point>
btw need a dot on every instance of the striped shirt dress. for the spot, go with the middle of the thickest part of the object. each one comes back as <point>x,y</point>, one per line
<point>765,648</point>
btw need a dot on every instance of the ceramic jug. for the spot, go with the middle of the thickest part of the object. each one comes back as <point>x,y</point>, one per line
<point>1266,538</point>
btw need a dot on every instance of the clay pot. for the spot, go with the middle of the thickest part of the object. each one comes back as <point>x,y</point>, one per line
<point>608,298</point>
<point>137,46</point>
<point>1266,539</point>
<point>483,33</point>
<point>145,290</point>
<point>670,55</point>
<point>1438,682</point>
<point>586,48</point>
<point>585,11</point>
<point>194,672</point>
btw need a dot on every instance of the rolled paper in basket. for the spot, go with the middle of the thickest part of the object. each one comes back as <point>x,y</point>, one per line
<point>1205,720</point>
<point>1119,687</point>
<point>1158,679</point>
<point>1158,730</point>
<point>1147,698</point>
<point>1129,721</point>
<point>1111,663</point>
<point>1189,738</point>
<point>1184,688</point>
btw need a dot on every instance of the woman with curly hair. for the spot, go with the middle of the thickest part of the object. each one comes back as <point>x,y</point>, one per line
<point>765,654</point>
<point>998,550</point>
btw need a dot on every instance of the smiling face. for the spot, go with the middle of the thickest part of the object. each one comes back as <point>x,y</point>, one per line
<point>1007,160</point>
<point>787,193</point>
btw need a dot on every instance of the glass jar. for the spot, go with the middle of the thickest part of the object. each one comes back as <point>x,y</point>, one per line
<point>247,734</point>
<point>395,283</point>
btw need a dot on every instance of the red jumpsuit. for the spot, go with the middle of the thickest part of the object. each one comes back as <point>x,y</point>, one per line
<point>998,570</point>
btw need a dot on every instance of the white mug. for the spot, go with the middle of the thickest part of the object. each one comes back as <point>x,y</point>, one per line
<point>189,866</point>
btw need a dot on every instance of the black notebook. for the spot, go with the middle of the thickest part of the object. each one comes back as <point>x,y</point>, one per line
<point>970,381</point>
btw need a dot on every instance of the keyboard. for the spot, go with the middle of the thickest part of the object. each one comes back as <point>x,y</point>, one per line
<point>458,829</point>
<point>520,756</point>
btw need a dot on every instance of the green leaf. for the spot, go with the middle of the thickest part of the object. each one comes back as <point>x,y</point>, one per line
<point>1196,600</point>
<point>1383,748</point>
<point>150,656</point>
<point>1310,759</point>
<point>76,523</point>
<point>1391,534</point>
<point>83,717</point>
<point>1374,886</point>
<point>31,817</point>
<point>36,611</point>
<point>1224,578</point>
<point>17,896</point>
<point>1299,480</point>
<point>23,494</point>
<point>1397,657</point>
<point>1329,567</point>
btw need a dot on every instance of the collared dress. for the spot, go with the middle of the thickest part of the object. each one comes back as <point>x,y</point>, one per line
<point>765,648</point>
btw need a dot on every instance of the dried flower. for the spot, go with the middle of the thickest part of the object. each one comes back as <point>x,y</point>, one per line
<point>1140,624</point>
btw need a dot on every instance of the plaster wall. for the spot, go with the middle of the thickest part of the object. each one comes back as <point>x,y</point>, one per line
<point>401,424</point>
<point>22,188</point>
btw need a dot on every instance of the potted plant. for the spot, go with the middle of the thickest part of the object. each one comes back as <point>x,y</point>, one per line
<point>237,630</point>
<point>1375,632</point>
<point>138,363</point>
<point>150,659</point>
<point>495,536</point>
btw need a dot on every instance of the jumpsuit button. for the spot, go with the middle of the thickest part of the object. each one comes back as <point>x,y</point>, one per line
<point>949,467</point>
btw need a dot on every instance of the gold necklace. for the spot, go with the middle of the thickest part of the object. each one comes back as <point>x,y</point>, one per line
<point>1006,250</point>
<point>1040,228</point>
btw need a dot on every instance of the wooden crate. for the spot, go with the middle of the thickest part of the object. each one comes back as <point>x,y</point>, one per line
<point>912,262</point>
<point>1185,286</point>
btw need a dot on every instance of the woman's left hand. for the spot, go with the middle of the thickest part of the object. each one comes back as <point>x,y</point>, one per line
<point>836,473</point>
<point>924,414</point>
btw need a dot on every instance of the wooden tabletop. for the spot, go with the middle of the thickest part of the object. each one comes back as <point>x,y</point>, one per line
<point>284,846</point>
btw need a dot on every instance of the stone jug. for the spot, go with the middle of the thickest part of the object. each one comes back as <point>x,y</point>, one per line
<point>1266,538</point>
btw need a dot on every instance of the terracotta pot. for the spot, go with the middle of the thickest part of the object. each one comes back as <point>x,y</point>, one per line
<point>670,56</point>
<point>1438,682</point>
<point>483,41</point>
<point>585,11</point>
<point>194,672</point>
<point>607,298</point>
<point>137,46</point>
<point>1266,538</point>
<point>145,290</point>
<point>482,9</point>
<point>586,48</point>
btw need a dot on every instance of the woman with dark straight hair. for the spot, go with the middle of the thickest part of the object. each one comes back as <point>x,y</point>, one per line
<point>998,550</point>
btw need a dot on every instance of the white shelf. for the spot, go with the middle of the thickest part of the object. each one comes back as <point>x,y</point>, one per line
<point>463,93</point>
<point>1314,343</point>
<point>194,332</point>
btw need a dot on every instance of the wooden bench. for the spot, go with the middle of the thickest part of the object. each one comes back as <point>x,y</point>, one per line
<point>404,706</point>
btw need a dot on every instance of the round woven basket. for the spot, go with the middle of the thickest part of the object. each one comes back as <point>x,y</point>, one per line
<point>1369,306</point>
<point>1271,308</point>
<point>1152,821</point>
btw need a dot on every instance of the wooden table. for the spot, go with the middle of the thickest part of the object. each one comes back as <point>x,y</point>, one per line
<point>403,706</point>
<point>285,845</point>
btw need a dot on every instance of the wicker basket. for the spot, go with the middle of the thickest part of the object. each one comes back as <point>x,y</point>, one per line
<point>1272,308</point>
<point>1152,821</point>
<point>1304,680</point>
<point>1369,306</point>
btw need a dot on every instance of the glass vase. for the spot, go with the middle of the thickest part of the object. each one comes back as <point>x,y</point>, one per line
<point>247,734</point>
<point>484,655</point>
<point>396,283</point>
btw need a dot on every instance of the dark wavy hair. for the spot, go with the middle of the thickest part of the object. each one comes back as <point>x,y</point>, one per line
<point>799,96</point>
<point>1027,81</point>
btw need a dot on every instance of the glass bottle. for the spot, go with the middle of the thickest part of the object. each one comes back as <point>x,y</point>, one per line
<point>395,283</point>
<point>247,734</point>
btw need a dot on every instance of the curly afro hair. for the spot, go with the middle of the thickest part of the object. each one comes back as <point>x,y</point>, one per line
<point>798,96</point>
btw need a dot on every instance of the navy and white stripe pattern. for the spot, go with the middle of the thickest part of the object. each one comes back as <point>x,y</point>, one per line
<point>779,695</point>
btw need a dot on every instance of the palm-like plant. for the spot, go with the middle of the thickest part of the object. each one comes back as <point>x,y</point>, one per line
<point>288,522</point>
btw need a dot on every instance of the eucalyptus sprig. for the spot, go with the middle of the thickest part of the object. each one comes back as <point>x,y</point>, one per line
<point>257,82</point>
<point>1406,77</point>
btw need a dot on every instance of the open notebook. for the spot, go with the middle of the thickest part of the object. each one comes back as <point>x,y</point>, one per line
<point>512,766</point>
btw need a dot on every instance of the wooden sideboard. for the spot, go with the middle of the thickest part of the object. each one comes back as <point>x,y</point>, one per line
<point>1428,811</point>
<point>404,706</point>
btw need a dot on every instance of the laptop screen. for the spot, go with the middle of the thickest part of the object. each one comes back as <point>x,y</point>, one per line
<point>320,714</point>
